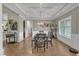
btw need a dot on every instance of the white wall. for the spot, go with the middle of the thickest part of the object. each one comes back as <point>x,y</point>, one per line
<point>75,39</point>
<point>20,29</point>
<point>35,25</point>
<point>10,13</point>
<point>1,31</point>
<point>19,19</point>
<point>28,27</point>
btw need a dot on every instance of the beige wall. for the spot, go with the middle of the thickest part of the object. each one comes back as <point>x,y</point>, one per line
<point>74,14</point>
<point>73,42</point>
<point>78,20</point>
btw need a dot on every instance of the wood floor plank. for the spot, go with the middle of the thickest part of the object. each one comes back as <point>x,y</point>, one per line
<point>25,49</point>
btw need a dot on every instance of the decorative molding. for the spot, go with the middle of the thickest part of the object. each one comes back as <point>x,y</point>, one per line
<point>75,40</point>
<point>58,13</point>
<point>20,8</point>
<point>75,35</point>
<point>65,9</point>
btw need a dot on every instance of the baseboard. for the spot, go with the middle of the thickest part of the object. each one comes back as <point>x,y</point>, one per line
<point>64,43</point>
<point>68,46</point>
<point>63,40</point>
<point>74,41</point>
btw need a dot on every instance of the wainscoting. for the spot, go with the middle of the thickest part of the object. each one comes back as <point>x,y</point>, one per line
<point>75,41</point>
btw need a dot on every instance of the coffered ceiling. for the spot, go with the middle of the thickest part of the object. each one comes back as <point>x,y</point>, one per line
<point>40,11</point>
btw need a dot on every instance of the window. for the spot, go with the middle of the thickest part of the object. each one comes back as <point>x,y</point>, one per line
<point>65,27</point>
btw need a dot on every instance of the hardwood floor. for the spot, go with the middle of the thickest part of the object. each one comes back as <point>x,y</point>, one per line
<point>24,48</point>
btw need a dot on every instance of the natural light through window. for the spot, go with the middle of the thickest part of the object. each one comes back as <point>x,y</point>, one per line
<point>65,27</point>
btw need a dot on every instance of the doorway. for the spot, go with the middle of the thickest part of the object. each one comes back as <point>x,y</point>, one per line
<point>24,29</point>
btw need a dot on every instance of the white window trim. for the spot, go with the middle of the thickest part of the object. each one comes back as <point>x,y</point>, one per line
<point>60,25</point>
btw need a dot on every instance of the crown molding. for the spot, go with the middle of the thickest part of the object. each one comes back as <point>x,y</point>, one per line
<point>67,9</point>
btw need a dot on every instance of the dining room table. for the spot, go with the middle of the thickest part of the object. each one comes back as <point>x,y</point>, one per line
<point>40,41</point>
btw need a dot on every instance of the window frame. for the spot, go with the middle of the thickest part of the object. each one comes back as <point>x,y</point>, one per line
<point>69,18</point>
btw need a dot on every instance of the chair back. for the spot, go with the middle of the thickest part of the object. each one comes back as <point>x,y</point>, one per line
<point>40,39</point>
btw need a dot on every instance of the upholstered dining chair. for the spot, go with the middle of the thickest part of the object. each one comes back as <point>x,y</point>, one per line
<point>40,41</point>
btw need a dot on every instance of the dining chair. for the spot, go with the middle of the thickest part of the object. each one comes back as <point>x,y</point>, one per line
<point>40,43</point>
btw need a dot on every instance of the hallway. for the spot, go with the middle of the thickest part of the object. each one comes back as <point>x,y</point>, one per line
<point>25,49</point>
